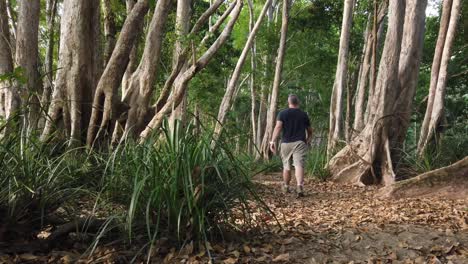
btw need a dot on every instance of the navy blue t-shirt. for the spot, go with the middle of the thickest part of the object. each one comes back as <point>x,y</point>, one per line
<point>295,122</point>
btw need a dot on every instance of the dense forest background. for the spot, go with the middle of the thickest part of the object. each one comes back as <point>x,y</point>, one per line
<point>148,119</point>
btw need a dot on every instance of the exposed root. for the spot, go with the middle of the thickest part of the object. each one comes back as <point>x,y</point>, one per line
<point>450,181</point>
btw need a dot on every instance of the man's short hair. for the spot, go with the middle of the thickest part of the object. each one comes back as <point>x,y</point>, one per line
<point>293,99</point>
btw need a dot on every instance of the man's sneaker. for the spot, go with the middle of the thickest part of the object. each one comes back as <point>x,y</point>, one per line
<point>300,191</point>
<point>285,188</point>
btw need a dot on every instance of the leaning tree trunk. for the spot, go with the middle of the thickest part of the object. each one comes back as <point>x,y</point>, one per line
<point>182,29</point>
<point>271,115</point>
<point>336,104</point>
<point>435,105</point>
<point>105,105</point>
<point>185,77</point>
<point>228,99</point>
<point>132,63</point>
<point>78,68</point>
<point>9,98</point>
<point>27,54</point>
<point>364,79</point>
<point>368,154</point>
<point>450,182</point>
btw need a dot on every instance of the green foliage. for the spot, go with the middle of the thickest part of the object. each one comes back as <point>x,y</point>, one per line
<point>178,187</point>
<point>35,181</point>
<point>316,162</point>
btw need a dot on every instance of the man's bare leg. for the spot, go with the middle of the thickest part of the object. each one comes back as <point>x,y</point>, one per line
<point>286,180</point>
<point>299,172</point>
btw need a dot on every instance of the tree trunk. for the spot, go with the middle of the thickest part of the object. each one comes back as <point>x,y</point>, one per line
<point>408,74</point>
<point>182,29</point>
<point>253,65</point>
<point>110,29</point>
<point>132,63</point>
<point>49,58</point>
<point>77,70</point>
<point>364,79</point>
<point>106,96</point>
<point>336,112</point>
<point>27,53</point>
<point>196,67</point>
<point>435,105</point>
<point>234,80</point>
<point>271,115</point>
<point>142,82</point>
<point>450,182</point>
<point>9,98</point>
<point>368,154</point>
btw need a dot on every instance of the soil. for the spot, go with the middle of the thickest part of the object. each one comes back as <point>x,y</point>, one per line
<point>331,224</point>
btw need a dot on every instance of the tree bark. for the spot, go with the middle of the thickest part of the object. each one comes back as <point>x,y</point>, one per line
<point>77,70</point>
<point>110,29</point>
<point>365,79</point>
<point>228,99</point>
<point>450,182</point>
<point>336,104</point>
<point>9,98</point>
<point>271,115</point>
<point>435,105</point>
<point>27,53</point>
<point>182,29</point>
<point>106,95</point>
<point>49,57</point>
<point>253,66</point>
<point>368,154</point>
<point>196,67</point>
<point>132,63</point>
<point>140,90</point>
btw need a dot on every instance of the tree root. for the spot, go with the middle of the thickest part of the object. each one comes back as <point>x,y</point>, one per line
<point>450,182</point>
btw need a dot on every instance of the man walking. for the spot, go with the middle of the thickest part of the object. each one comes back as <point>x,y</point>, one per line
<point>294,123</point>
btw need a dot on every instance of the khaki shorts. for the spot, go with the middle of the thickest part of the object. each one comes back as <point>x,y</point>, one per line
<point>295,151</point>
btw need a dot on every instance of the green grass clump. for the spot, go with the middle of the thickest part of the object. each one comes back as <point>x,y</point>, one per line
<point>316,162</point>
<point>178,186</point>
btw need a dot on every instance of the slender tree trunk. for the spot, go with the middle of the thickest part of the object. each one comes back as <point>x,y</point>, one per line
<point>435,105</point>
<point>106,96</point>
<point>196,67</point>
<point>367,65</point>
<point>110,29</point>
<point>234,80</point>
<point>370,150</point>
<point>12,15</point>
<point>182,29</point>
<point>49,58</point>
<point>77,70</point>
<point>253,66</point>
<point>9,98</point>
<point>132,63</point>
<point>336,112</point>
<point>271,116</point>
<point>27,38</point>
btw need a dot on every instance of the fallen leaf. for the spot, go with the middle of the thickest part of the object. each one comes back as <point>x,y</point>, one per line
<point>282,257</point>
<point>230,261</point>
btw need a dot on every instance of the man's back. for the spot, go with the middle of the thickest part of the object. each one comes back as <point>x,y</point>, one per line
<point>295,122</point>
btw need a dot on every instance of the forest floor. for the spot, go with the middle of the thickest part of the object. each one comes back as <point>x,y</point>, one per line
<point>331,224</point>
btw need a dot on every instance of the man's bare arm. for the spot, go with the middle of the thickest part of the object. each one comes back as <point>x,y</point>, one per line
<point>277,130</point>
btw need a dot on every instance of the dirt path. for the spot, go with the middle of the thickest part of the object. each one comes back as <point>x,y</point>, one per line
<point>331,224</point>
<point>341,224</point>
